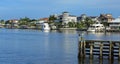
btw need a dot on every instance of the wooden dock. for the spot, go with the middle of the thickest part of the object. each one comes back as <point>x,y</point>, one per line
<point>99,48</point>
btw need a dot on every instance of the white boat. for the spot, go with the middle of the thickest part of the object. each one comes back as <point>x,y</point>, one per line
<point>96,27</point>
<point>45,26</point>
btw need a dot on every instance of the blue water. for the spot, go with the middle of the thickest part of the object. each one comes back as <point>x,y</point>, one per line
<point>38,47</point>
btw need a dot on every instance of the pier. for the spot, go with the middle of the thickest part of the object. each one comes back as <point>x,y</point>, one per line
<point>99,48</point>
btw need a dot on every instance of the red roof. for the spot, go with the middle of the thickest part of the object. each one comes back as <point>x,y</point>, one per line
<point>45,19</point>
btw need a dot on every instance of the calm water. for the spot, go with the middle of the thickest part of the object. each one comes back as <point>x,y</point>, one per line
<point>38,47</point>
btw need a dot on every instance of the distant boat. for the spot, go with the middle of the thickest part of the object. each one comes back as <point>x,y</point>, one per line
<point>45,26</point>
<point>96,27</point>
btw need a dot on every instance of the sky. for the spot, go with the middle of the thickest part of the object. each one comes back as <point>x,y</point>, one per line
<point>35,9</point>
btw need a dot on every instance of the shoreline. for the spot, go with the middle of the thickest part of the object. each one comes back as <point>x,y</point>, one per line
<point>77,29</point>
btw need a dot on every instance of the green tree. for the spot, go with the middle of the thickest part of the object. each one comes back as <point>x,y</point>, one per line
<point>58,24</point>
<point>72,24</point>
<point>88,21</point>
<point>2,21</point>
<point>8,22</point>
<point>52,18</point>
<point>105,24</point>
<point>24,21</point>
<point>81,25</point>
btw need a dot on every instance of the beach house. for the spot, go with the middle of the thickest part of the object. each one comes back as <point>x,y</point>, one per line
<point>65,18</point>
<point>115,24</point>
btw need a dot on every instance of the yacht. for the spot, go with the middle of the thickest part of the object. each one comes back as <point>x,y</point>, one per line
<point>96,27</point>
<point>45,26</point>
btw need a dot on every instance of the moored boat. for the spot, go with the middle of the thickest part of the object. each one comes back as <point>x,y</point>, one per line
<point>45,26</point>
<point>96,27</point>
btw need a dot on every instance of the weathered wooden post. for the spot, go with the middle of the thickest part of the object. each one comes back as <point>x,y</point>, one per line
<point>91,61</point>
<point>91,50</point>
<point>84,49</point>
<point>110,51</point>
<point>101,50</point>
<point>119,52</point>
<point>81,44</point>
<point>101,61</point>
<point>79,49</point>
<point>81,52</point>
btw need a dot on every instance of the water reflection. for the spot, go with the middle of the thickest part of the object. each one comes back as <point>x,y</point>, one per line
<point>49,47</point>
<point>46,31</point>
<point>68,31</point>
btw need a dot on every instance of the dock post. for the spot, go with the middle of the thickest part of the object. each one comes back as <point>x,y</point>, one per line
<point>91,50</point>
<point>111,51</point>
<point>91,61</point>
<point>80,54</point>
<point>100,61</point>
<point>119,52</point>
<point>82,44</point>
<point>101,50</point>
<point>84,49</point>
<point>80,47</point>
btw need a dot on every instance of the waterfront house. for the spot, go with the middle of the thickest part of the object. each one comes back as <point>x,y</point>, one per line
<point>12,23</point>
<point>105,18</point>
<point>115,24</point>
<point>38,24</point>
<point>44,19</point>
<point>94,18</point>
<point>84,16</point>
<point>65,18</point>
<point>1,25</point>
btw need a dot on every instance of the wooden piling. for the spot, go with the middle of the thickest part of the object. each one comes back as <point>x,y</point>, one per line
<point>91,61</point>
<point>79,48</point>
<point>101,49</point>
<point>81,53</point>
<point>84,48</point>
<point>101,61</point>
<point>119,52</point>
<point>110,51</point>
<point>91,50</point>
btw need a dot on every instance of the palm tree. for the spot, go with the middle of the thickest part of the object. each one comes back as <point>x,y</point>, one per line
<point>88,22</point>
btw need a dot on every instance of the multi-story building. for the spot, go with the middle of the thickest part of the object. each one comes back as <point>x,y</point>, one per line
<point>65,18</point>
<point>114,24</point>
<point>105,18</point>
<point>84,16</point>
<point>12,23</point>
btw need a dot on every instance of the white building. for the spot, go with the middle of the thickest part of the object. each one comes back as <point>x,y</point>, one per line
<point>115,24</point>
<point>65,18</point>
<point>84,16</point>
